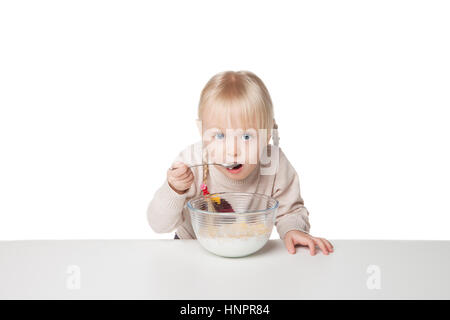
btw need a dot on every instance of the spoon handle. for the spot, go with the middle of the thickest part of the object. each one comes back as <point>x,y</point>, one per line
<point>197,165</point>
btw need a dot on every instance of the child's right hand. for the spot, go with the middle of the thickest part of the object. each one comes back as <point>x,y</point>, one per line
<point>180,178</point>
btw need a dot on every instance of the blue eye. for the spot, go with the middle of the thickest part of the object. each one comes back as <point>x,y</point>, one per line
<point>246,137</point>
<point>219,136</point>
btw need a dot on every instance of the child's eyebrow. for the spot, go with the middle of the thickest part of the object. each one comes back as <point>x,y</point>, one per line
<point>247,130</point>
<point>215,129</point>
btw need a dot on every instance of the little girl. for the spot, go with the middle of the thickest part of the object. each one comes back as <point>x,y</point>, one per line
<point>235,119</point>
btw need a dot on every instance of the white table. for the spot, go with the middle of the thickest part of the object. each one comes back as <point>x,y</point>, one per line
<point>182,269</point>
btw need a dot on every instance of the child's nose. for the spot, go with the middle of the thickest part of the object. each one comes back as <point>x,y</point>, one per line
<point>232,153</point>
<point>233,149</point>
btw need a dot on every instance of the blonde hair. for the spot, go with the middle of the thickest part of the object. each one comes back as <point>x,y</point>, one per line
<point>240,91</point>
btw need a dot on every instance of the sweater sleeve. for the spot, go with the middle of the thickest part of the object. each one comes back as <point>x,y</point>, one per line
<point>291,214</point>
<point>165,210</point>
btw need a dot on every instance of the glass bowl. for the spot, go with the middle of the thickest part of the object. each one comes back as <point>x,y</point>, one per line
<point>233,224</point>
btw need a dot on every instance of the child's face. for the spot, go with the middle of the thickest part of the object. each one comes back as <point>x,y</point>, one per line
<point>232,143</point>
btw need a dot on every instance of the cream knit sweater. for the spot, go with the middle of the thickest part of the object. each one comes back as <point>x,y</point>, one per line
<point>167,212</point>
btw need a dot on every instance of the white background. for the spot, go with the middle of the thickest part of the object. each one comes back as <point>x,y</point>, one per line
<point>98,97</point>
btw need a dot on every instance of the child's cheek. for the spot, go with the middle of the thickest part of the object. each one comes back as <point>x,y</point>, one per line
<point>216,151</point>
<point>250,152</point>
<point>253,151</point>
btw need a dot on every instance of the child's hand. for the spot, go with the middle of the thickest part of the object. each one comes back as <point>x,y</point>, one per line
<point>294,237</point>
<point>180,178</point>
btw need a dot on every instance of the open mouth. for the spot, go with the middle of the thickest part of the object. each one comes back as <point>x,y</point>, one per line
<point>234,168</point>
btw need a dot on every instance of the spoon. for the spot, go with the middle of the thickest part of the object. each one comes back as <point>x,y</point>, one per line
<point>217,164</point>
